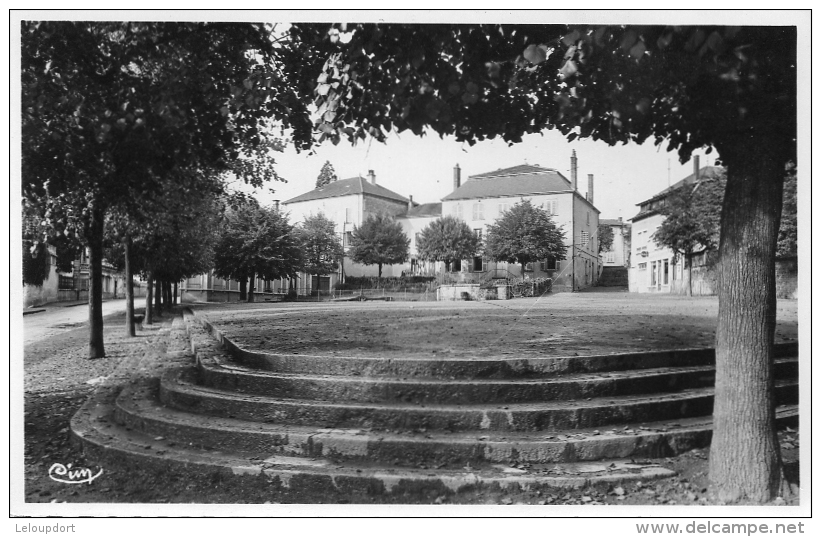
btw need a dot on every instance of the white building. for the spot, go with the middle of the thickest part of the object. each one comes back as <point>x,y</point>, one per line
<point>619,253</point>
<point>654,268</point>
<point>348,203</point>
<point>481,199</point>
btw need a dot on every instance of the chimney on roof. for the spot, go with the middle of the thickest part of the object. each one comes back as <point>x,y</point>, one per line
<point>276,206</point>
<point>410,202</point>
<point>372,177</point>
<point>457,177</point>
<point>590,187</point>
<point>695,168</point>
<point>573,169</point>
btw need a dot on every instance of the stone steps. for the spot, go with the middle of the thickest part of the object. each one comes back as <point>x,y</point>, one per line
<point>410,426</point>
<point>227,375</point>
<point>138,407</point>
<point>179,389</point>
<point>614,277</point>
<point>110,444</point>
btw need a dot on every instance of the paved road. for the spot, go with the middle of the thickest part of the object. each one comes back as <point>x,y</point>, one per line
<point>61,317</point>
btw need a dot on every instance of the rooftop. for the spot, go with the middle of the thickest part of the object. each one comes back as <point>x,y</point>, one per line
<point>347,187</point>
<point>612,222</point>
<point>521,180</point>
<point>424,210</point>
<point>705,173</point>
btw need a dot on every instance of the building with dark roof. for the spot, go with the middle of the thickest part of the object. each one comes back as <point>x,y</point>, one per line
<point>347,202</point>
<point>654,268</point>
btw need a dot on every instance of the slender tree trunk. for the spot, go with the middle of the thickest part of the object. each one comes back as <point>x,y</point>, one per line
<point>149,294</point>
<point>690,274</point>
<point>130,330</point>
<point>251,287</point>
<point>243,288</point>
<point>745,461</point>
<point>96,349</point>
<point>158,297</point>
<point>167,295</point>
<point>379,277</point>
<point>175,293</point>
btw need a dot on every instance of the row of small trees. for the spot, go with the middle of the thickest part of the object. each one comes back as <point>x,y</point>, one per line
<point>523,234</point>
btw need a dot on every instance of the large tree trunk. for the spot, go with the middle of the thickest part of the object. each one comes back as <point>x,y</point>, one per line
<point>130,330</point>
<point>149,294</point>
<point>745,461</point>
<point>96,349</point>
<point>251,287</point>
<point>243,288</point>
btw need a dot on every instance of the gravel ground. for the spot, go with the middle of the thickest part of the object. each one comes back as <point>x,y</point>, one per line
<point>59,377</point>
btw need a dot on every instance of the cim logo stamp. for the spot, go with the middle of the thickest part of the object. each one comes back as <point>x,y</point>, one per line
<point>73,476</point>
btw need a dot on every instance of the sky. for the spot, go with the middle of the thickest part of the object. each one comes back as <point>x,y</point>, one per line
<point>624,175</point>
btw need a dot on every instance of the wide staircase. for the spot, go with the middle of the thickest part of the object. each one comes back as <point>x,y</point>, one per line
<point>614,277</point>
<point>406,427</point>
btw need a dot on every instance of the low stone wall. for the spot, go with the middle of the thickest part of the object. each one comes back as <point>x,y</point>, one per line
<point>472,291</point>
<point>455,291</point>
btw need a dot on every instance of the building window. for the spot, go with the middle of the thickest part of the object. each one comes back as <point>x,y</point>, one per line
<point>610,257</point>
<point>549,264</point>
<point>550,207</point>
<point>456,265</point>
<point>347,215</point>
<point>503,207</point>
<point>478,264</point>
<point>642,266</point>
<point>348,238</point>
<point>666,275</point>
<point>585,239</point>
<point>459,210</point>
<point>478,233</point>
<point>653,278</point>
<point>478,211</point>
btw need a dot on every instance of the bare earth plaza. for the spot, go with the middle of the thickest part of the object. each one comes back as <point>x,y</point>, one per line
<point>282,268</point>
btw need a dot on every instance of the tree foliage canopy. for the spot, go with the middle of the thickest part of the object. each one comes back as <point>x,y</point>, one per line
<point>321,247</point>
<point>110,110</point>
<point>379,241</point>
<point>524,234</point>
<point>611,83</point>
<point>693,216</point>
<point>605,234</point>
<point>326,174</point>
<point>256,241</point>
<point>447,239</point>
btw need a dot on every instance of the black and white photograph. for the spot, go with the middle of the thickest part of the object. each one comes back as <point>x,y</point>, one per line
<point>419,264</point>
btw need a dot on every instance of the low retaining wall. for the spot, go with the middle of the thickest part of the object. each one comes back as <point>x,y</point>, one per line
<point>472,291</point>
